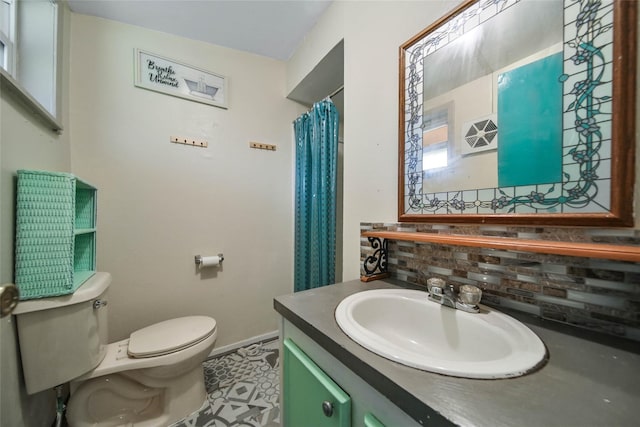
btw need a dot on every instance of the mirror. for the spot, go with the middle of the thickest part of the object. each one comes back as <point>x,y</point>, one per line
<point>520,112</point>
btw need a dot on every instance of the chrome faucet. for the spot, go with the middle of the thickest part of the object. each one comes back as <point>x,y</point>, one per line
<point>466,299</point>
<point>445,296</point>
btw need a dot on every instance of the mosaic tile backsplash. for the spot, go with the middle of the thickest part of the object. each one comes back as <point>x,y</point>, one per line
<point>596,294</point>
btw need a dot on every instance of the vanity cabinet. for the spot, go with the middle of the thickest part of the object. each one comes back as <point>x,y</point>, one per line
<point>310,376</point>
<point>55,233</point>
<point>310,394</point>
<point>400,396</point>
<point>371,421</point>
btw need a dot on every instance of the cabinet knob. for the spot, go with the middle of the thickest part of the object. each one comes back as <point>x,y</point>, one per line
<point>9,296</point>
<point>327,408</point>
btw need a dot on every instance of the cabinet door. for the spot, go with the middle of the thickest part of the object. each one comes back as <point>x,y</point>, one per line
<point>310,397</point>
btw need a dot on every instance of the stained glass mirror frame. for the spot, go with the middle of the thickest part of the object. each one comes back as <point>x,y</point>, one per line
<point>574,200</point>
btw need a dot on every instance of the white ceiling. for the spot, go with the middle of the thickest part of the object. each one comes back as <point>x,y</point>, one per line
<point>265,27</point>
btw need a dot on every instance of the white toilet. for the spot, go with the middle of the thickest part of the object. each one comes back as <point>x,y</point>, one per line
<point>153,378</point>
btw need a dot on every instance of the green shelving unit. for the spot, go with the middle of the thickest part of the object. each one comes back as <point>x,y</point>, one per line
<point>55,233</point>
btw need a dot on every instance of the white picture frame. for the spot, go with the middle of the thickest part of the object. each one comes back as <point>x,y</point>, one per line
<point>164,75</point>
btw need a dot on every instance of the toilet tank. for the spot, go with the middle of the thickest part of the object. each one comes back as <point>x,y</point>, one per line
<point>63,337</point>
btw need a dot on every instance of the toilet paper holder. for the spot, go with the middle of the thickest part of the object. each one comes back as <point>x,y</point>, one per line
<point>198,259</point>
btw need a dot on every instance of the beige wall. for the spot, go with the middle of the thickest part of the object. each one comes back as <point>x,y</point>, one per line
<point>372,33</point>
<point>159,204</point>
<point>25,143</point>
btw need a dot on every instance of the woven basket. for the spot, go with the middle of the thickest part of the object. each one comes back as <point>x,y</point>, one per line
<point>49,251</point>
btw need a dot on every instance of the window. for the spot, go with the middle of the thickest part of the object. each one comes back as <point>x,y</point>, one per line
<point>435,148</point>
<point>435,139</point>
<point>29,49</point>
<point>37,49</point>
<point>7,34</point>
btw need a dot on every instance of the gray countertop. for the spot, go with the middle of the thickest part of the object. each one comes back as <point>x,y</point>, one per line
<point>589,379</point>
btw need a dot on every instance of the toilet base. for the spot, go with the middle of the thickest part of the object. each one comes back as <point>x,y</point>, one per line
<point>123,399</point>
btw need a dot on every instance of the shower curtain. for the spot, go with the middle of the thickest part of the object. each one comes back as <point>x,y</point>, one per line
<point>316,134</point>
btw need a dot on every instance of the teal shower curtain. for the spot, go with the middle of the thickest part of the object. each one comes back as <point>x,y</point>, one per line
<point>316,135</point>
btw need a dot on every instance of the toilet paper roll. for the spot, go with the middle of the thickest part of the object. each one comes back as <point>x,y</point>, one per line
<point>210,261</point>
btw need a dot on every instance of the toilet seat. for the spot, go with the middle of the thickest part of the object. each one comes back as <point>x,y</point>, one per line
<point>169,336</point>
<point>185,345</point>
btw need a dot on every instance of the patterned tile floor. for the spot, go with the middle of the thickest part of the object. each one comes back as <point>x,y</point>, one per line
<point>243,389</point>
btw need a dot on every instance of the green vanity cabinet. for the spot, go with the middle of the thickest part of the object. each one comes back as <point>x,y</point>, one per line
<point>371,421</point>
<point>311,397</point>
<point>308,379</point>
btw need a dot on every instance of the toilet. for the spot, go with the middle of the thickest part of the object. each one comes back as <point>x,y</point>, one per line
<point>153,378</point>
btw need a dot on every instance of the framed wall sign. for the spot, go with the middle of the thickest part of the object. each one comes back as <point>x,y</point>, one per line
<point>174,78</point>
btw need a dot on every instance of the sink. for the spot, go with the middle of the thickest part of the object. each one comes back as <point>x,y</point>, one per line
<point>403,326</point>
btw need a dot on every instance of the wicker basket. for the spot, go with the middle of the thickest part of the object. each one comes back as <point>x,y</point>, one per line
<point>55,233</point>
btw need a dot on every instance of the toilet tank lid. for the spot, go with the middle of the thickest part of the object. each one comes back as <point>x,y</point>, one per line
<point>95,286</point>
<point>170,335</point>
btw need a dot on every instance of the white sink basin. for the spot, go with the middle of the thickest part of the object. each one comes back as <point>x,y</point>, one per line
<point>402,325</point>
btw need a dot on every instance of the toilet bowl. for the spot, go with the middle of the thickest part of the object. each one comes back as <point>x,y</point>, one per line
<point>153,378</point>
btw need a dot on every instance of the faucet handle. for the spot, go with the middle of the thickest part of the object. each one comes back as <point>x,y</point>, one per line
<point>436,285</point>
<point>435,290</point>
<point>470,294</point>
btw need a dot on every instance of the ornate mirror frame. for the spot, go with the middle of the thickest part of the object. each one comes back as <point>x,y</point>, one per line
<point>570,202</point>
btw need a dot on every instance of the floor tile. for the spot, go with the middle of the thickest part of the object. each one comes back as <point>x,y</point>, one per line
<point>243,389</point>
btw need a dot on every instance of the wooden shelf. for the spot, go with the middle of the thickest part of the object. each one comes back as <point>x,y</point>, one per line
<point>587,250</point>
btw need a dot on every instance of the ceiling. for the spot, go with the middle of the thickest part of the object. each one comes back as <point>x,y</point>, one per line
<point>271,28</point>
<point>265,27</point>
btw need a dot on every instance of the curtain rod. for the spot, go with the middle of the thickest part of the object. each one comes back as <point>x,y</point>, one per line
<point>335,92</point>
<point>332,94</point>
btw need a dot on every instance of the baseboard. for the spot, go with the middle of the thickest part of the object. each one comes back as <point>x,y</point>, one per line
<point>218,351</point>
